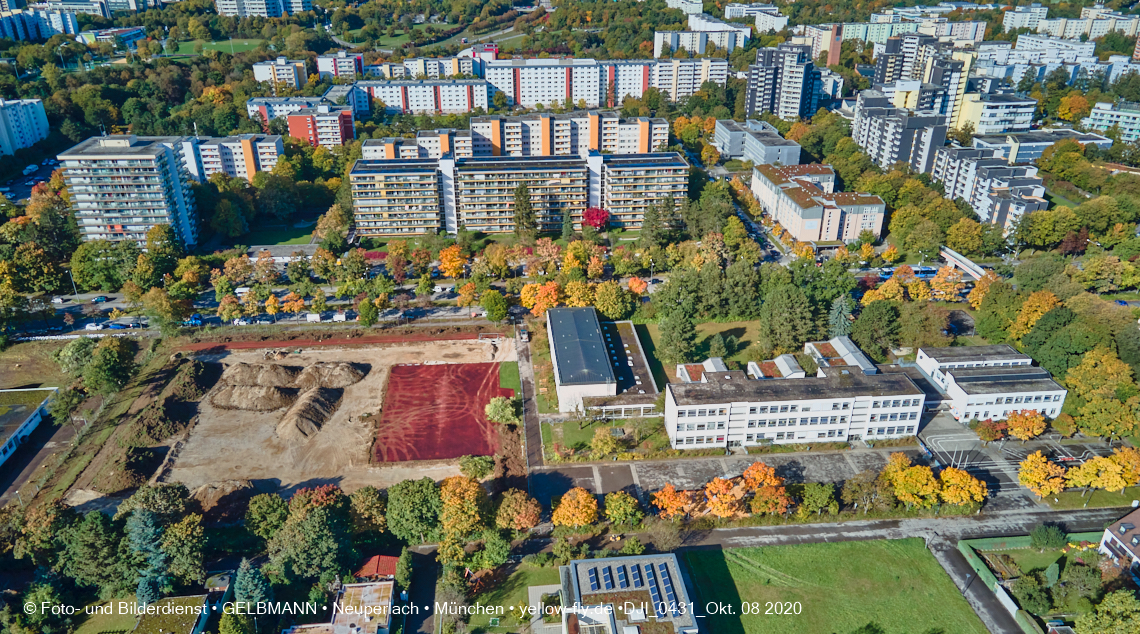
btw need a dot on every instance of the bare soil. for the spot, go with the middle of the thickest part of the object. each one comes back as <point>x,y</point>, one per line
<point>230,444</point>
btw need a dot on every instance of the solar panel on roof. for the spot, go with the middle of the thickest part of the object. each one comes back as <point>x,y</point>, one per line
<point>635,572</point>
<point>654,593</point>
<point>592,573</point>
<point>623,583</point>
<point>667,584</point>
<point>608,578</point>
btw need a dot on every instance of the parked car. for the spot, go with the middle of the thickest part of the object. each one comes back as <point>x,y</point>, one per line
<point>117,326</point>
<point>55,329</point>
<point>313,317</point>
<point>100,299</point>
<point>58,300</point>
<point>1121,302</point>
<point>195,320</point>
<point>93,326</point>
<point>241,321</point>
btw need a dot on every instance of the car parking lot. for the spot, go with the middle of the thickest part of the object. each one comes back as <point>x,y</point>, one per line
<point>20,188</point>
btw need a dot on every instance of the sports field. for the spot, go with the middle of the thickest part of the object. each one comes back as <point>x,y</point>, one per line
<point>238,46</point>
<point>838,588</point>
<point>435,412</point>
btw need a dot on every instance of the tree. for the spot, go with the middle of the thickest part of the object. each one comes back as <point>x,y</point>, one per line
<point>1032,311</point>
<point>981,288</point>
<point>184,543</point>
<point>266,515</point>
<point>495,305</point>
<point>414,508</point>
<point>576,509</point>
<point>1047,536</point>
<point>1109,417</point>
<point>612,300</point>
<point>1118,613</point>
<point>623,508</point>
<point>604,443</point>
<point>526,224</point>
<point>168,501</point>
<point>452,262</point>
<point>670,502</point>
<point>877,329</point>
<point>947,285</point>
<point>1030,595</point>
<point>251,587</point>
<point>816,497</point>
<point>965,237</point>
<point>839,321</point>
<point>311,543</point>
<point>517,511</point>
<point>144,535</point>
<point>110,367</point>
<point>463,503</point>
<point>476,467</point>
<point>916,486</point>
<point>1100,373</point>
<point>719,498</point>
<point>595,217</point>
<point>1026,424</point>
<point>1040,476</point>
<point>367,313</point>
<point>75,355</point>
<point>501,410</point>
<point>785,320</point>
<point>93,552</point>
<point>404,568</point>
<point>990,431</point>
<point>960,488</point>
<point>366,508</point>
<point>678,338</point>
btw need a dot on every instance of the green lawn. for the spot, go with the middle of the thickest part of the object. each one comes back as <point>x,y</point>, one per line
<point>511,592</point>
<point>384,40</point>
<point>1058,200</point>
<point>509,377</point>
<point>746,333</point>
<point>187,48</point>
<point>1099,499</point>
<point>840,587</point>
<point>279,234</point>
<point>1029,559</point>
<point>107,623</point>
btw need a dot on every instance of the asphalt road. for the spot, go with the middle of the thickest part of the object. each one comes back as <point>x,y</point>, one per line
<point>42,443</point>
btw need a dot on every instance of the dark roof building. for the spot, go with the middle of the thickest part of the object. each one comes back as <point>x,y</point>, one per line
<point>578,352</point>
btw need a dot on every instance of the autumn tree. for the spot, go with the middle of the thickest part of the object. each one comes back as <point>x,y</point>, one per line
<point>612,300</point>
<point>1041,476</point>
<point>981,288</point>
<point>1026,424</point>
<point>718,495</point>
<point>916,486</point>
<point>579,294</point>
<point>576,509</point>
<point>769,493</point>
<point>463,503</point>
<point>517,511</point>
<point>670,502</point>
<point>452,262</point>
<point>604,442</point>
<point>960,488</point>
<point>947,285</point>
<point>1099,373</point>
<point>623,508</point>
<point>1032,311</point>
<point>1129,460</point>
<point>466,295</point>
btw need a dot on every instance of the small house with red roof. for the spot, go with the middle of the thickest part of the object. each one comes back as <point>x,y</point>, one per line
<point>378,567</point>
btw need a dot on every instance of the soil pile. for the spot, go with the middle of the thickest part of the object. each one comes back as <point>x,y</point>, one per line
<point>253,397</point>
<point>336,375</point>
<point>309,413</point>
<point>265,374</point>
<point>224,502</point>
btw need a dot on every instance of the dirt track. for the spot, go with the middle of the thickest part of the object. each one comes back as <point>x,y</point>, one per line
<point>236,444</point>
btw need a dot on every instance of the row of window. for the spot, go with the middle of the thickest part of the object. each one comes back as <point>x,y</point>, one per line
<point>790,435</point>
<point>906,402</point>
<point>701,426</point>
<point>701,440</point>
<point>692,413</point>
<point>1048,398</point>
<point>983,415</point>
<point>894,417</point>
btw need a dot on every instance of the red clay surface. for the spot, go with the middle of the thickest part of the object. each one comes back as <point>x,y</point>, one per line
<point>435,412</point>
<point>340,341</point>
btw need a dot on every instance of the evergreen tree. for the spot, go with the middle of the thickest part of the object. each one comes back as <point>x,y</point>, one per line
<point>144,534</point>
<point>653,227</point>
<point>367,313</point>
<point>251,587</point>
<point>839,319</point>
<point>525,224</point>
<point>717,347</point>
<point>678,338</point>
<point>567,226</point>
<point>785,320</point>
<point>741,286</point>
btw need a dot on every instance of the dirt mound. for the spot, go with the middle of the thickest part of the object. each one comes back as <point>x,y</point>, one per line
<point>224,502</point>
<point>258,398</point>
<point>332,375</point>
<point>309,413</point>
<point>266,374</point>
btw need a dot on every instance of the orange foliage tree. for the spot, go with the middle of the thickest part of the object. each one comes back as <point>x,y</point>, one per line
<point>637,285</point>
<point>452,262</point>
<point>769,493</point>
<point>961,488</point>
<point>578,508</point>
<point>916,486</point>
<point>670,502</point>
<point>981,287</point>
<point>1026,424</point>
<point>718,494</point>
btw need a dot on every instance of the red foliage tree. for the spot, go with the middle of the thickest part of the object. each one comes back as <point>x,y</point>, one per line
<point>596,217</point>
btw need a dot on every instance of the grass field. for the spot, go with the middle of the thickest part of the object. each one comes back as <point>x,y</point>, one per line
<point>510,592</point>
<point>384,40</point>
<point>30,364</point>
<point>895,584</point>
<point>509,377</point>
<point>1029,559</point>
<point>279,234</point>
<point>187,48</point>
<point>107,623</point>
<point>1099,499</point>
<point>745,332</point>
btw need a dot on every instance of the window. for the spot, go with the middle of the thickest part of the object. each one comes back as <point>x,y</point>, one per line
<point>783,408</point>
<point>720,425</point>
<point>751,410</point>
<point>821,434</point>
<point>680,413</point>
<point>680,428</point>
<point>701,427</point>
<point>875,405</point>
<point>759,436</point>
<point>793,408</point>
<point>751,424</point>
<point>1017,399</point>
<point>722,411</point>
<point>688,441</point>
<point>894,403</point>
<point>847,406</point>
<point>718,439</point>
<point>700,440</point>
<point>1037,399</point>
<point>835,406</point>
<point>702,412</point>
<point>894,417</point>
<point>881,430</point>
<point>779,435</point>
<point>690,427</point>
<point>804,421</point>
<point>763,409</point>
<point>831,433</point>
<point>890,431</point>
<point>772,423</point>
<point>913,416</point>
<point>910,429</point>
<point>874,418</point>
<point>815,420</point>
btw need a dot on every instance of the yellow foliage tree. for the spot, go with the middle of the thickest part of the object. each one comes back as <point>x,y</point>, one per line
<point>1026,424</point>
<point>1129,460</point>
<point>916,486</point>
<point>293,303</point>
<point>577,508</point>
<point>1073,106</point>
<point>1032,311</point>
<point>961,488</point>
<point>272,305</point>
<point>896,463</point>
<point>1039,475</point>
<point>947,284</point>
<point>466,295</point>
<point>721,502</point>
<point>452,262</point>
<point>866,252</point>
<point>919,291</point>
<point>981,287</point>
<point>759,474</point>
<point>891,254</point>
<point>579,294</point>
<point>1099,373</point>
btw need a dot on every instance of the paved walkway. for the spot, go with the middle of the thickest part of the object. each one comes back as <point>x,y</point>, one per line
<point>530,408</point>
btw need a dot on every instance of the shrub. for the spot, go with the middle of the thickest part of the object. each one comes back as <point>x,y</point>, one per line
<point>632,546</point>
<point>1029,593</point>
<point>1047,537</point>
<point>476,467</point>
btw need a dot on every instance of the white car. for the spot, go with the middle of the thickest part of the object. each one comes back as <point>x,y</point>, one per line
<point>58,300</point>
<point>241,321</point>
<point>93,326</point>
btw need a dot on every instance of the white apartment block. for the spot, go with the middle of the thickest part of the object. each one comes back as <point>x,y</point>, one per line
<point>122,185</point>
<point>695,42</point>
<point>430,144</point>
<point>37,24</point>
<point>935,362</point>
<point>23,123</point>
<point>239,156</point>
<point>1092,27</point>
<point>706,22</point>
<point>396,197</point>
<point>269,108</point>
<point>571,134</point>
<point>680,78</point>
<point>997,113</point>
<point>89,7</point>
<point>1024,17</point>
<point>999,193</point>
<point>402,96</point>
<point>755,141</point>
<point>1038,42</point>
<point>479,191</point>
<point>1125,116</point>
<point>262,8</point>
<point>770,22</point>
<point>688,7</point>
<point>728,409</point>
<point>284,71</point>
<point>735,10</point>
<point>340,64</point>
<point>1121,541</point>
<point>802,199</point>
<point>785,82</point>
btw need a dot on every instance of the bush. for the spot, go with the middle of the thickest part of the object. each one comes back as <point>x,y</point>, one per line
<point>632,546</point>
<point>1030,595</point>
<point>476,467</point>
<point>1047,537</point>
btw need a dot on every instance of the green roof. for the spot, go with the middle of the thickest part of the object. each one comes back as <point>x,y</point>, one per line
<point>173,615</point>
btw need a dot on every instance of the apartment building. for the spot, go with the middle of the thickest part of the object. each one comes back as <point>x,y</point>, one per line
<point>999,193</point>
<point>23,123</point>
<point>416,96</point>
<point>428,144</point>
<point>783,81</point>
<point>282,71</point>
<point>802,199</point>
<point>396,196</point>
<point>666,43</point>
<point>1027,147</point>
<point>1121,541</point>
<point>262,8</point>
<point>734,10</point>
<point>681,78</point>
<point>1024,17</point>
<point>952,74</point>
<point>528,82</point>
<point>895,58</point>
<point>688,7</point>
<point>755,141</point>
<point>239,156</point>
<point>913,94</point>
<point>1124,115</point>
<point>569,134</point>
<point>892,135</point>
<point>37,24</point>
<point>122,185</point>
<point>89,7</point>
<point>728,409</point>
<point>269,108</point>
<point>1094,23</point>
<point>1039,42</point>
<point>997,113</point>
<point>427,68</point>
<point>479,191</point>
<point>706,22</point>
<point>633,182</point>
<point>340,64</point>
<point>324,126</point>
<point>936,362</point>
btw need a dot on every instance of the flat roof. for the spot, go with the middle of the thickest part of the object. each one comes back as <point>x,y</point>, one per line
<point>957,354</point>
<point>121,145</point>
<point>15,408</point>
<point>369,605</point>
<point>619,578</point>
<point>653,159</point>
<point>579,350</point>
<point>1003,379</point>
<point>739,388</point>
